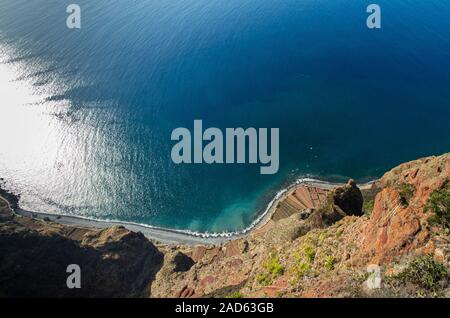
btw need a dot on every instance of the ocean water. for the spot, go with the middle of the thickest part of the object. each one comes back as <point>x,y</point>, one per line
<point>86,115</point>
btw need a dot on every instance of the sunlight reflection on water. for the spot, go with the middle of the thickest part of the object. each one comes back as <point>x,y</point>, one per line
<point>37,145</point>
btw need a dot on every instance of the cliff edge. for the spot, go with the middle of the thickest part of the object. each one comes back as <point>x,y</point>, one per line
<point>387,239</point>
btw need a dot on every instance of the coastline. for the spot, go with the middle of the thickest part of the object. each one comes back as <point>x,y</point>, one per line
<point>117,262</point>
<point>167,235</point>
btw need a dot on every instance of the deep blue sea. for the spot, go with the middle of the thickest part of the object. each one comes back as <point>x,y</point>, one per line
<point>86,115</point>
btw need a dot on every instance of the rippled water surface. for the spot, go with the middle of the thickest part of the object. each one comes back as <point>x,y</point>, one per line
<point>86,115</point>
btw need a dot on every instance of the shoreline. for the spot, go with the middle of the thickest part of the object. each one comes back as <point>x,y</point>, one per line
<point>167,235</point>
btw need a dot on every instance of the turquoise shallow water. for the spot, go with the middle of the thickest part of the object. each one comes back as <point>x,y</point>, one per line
<point>86,115</point>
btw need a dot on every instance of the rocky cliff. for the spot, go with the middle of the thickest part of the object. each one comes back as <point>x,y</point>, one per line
<point>34,256</point>
<point>387,239</point>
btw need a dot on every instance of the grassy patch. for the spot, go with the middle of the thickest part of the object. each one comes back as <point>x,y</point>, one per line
<point>272,269</point>
<point>329,262</point>
<point>302,261</point>
<point>323,236</point>
<point>439,204</point>
<point>309,252</point>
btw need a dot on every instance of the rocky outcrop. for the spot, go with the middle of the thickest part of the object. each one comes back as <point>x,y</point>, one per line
<point>349,198</point>
<point>392,228</point>
<point>346,200</point>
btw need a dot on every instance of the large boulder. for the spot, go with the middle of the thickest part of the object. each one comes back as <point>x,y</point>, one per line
<point>349,199</point>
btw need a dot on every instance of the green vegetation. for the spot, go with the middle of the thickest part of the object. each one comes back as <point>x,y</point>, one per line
<point>439,204</point>
<point>303,260</point>
<point>368,207</point>
<point>279,294</point>
<point>272,269</point>
<point>425,272</point>
<point>356,281</point>
<point>235,294</point>
<point>329,262</point>
<point>301,267</point>
<point>369,196</point>
<point>323,236</point>
<point>263,279</point>
<point>309,252</point>
<point>406,192</point>
<point>315,254</point>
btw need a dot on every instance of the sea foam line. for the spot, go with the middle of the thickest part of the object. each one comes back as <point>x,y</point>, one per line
<point>204,235</point>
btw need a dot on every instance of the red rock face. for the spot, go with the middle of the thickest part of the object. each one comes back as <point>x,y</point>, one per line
<point>393,228</point>
<point>425,175</point>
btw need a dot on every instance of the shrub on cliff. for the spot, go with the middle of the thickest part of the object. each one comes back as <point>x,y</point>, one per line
<point>329,262</point>
<point>425,272</point>
<point>368,207</point>
<point>406,192</point>
<point>439,204</point>
<point>235,294</point>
